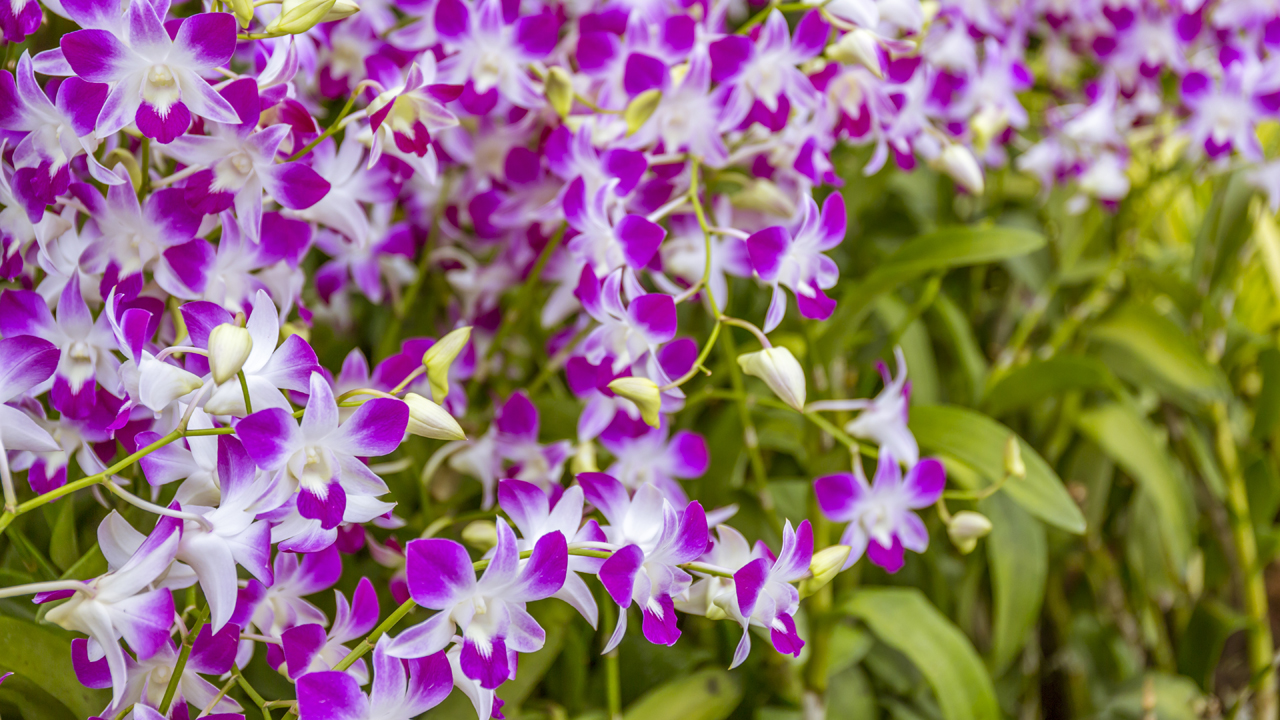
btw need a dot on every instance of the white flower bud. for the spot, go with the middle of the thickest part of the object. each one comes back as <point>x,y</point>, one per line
<point>299,16</point>
<point>966,528</point>
<point>823,568</point>
<point>481,535</point>
<point>429,420</point>
<point>229,347</point>
<point>341,9</point>
<point>958,162</point>
<point>857,46</point>
<point>780,370</point>
<point>644,393</point>
<point>1013,458</point>
<point>439,358</point>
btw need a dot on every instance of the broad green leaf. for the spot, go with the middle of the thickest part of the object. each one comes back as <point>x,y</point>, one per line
<point>941,249</point>
<point>978,441</point>
<point>964,344</point>
<point>704,695</point>
<point>1176,699</point>
<point>64,548</point>
<point>43,656</point>
<point>1149,349</point>
<point>1040,379</point>
<point>1130,441</point>
<point>905,620</point>
<point>1201,644</point>
<point>1019,558</point>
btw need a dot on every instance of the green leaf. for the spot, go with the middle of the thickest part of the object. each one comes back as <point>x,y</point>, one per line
<point>64,548</point>
<point>704,695</point>
<point>1019,557</point>
<point>1040,379</point>
<point>1201,644</point>
<point>1130,441</point>
<point>905,620</point>
<point>1149,349</point>
<point>942,249</point>
<point>1176,699</point>
<point>42,656</point>
<point>978,441</point>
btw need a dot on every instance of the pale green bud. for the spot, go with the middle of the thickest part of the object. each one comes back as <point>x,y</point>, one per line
<point>778,368</point>
<point>823,568</point>
<point>644,393</point>
<point>429,420</point>
<point>229,347</point>
<point>439,358</point>
<point>966,528</point>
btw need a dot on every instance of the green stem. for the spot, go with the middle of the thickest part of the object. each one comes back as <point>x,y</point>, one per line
<point>1261,650</point>
<point>612,671</point>
<point>252,693</point>
<point>145,186</point>
<point>750,439</point>
<point>367,644</point>
<point>89,481</point>
<point>172,688</point>
<point>244,388</point>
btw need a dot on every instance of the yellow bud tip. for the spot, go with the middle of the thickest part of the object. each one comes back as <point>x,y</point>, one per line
<point>644,393</point>
<point>439,358</point>
<point>1013,463</point>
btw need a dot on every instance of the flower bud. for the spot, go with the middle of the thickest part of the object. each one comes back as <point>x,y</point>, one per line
<point>229,347</point>
<point>823,568</point>
<point>559,88</point>
<point>439,358</point>
<point>341,9</point>
<point>958,162</point>
<point>429,420</point>
<point>780,370</point>
<point>243,10</point>
<point>857,46</point>
<point>641,109</point>
<point>644,393</point>
<point>1013,464</point>
<point>584,459</point>
<point>299,16</point>
<point>965,529</point>
<point>481,535</point>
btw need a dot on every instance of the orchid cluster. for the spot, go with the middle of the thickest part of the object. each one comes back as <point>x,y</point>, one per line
<point>188,195</point>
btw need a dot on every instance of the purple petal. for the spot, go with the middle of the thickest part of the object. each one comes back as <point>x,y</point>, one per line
<point>544,574</point>
<point>164,127</point>
<point>200,318</point>
<point>838,495</point>
<point>144,621</point>
<point>834,221</point>
<point>655,316</point>
<point>537,34</point>
<point>269,436</point>
<point>643,72</point>
<point>205,40</point>
<point>729,56</point>
<point>518,417</point>
<point>452,19</point>
<point>766,248</point>
<point>596,50</point>
<point>301,645</point>
<point>925,483</point>
<point>692,539</point>
<point>486,665</point>
<point>81,102</point>
<point>687,455</point>
<point>95,55</point>
<point>786,641</point>
<point>818,307</point>
<point>890,558</point>
<point>376,428</point>
<point>294,185</point>
<point>797,552</point>
<point>25,361</point>
<point>327,505</point>
<point>92,674</point>
<point>525,503</point>
<point>215,653</point>
<point>748,581</point>
<point>605,492</point>
<point>640,239</point>
<point>627,166</point>
<point>618,573</point>
<point>440,572</point>
<point>24,312</point>
<point>660,622</point>
<point>364,609</point>
<point>430,682</point>
<point>330,696</point>
<point>811,36</point>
